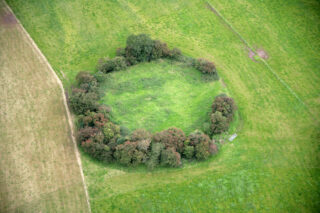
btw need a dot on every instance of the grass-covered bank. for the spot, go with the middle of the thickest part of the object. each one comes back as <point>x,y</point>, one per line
<point>161,94</point>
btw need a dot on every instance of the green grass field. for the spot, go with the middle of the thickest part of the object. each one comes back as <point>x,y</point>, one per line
<point>159,95</point>
<point>273,165</point>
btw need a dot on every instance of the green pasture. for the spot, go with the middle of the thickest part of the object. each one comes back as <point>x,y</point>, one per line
<point>159,95</point>
<point>273,164</point>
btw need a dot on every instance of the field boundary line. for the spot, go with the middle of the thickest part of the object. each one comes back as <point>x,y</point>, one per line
<point>215,11</point>
<point>37,50</point>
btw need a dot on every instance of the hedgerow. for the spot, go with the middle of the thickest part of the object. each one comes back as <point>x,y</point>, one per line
<point>108,142</point>
<point>106,65</point>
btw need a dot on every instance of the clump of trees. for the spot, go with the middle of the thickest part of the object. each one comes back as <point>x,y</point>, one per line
<point>171,138</point>
<point>85,95</point>
<point>223,109</point>
<point>140,135</point>
<point>225,105</point>
<point>108,142</point>
<point>106,65</point>
<point>130,154</point>
<point>206,67</point>
<point>197,146</point>
<point>169,157</point>
<point>140,48</point>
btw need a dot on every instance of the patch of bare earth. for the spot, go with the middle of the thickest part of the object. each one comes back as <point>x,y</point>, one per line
<point>260,52</point>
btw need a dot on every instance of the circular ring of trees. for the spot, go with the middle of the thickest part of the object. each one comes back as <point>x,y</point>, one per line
<point>108,142</point>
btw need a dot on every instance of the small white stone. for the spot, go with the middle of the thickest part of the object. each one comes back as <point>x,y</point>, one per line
<point>232,137</point>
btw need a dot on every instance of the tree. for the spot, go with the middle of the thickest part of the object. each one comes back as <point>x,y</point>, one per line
<point>128,154</point>
<point>175,54</point>
<point>202,151</point>
<point>156,51</point>
<point>111,132</point>
<point>159,49</point>
<point>124,153</point>
<point>165,49</point>
<point>219,123</point>
<point>205,66</point>
<point>107,65</point>
<point>124,131</point>
<point>87,82</point>
<point>98,151</point>
<point>139,48</point>
<point>81,102</point>
<point>225,105</point>
<point>86,133</point>
<point>100,76</point>
<point>188,152</point>
<point>93,119</point>
<point>99,137</point>
<point>154,155</point>
<point>140,134</point>
<point>172,137</point>
<point>169,157</point>
<point>197,137</point>
<point>200,142</point>
<point>85,77</point>
<point>143,145</point>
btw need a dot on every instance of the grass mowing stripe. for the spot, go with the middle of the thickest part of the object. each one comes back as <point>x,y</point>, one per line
<point>215,11</point>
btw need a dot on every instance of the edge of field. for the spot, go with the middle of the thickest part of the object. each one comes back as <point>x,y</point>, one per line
<point>36,48</point>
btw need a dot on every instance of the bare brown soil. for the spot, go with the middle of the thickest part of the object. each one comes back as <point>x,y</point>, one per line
<point>262,54</point>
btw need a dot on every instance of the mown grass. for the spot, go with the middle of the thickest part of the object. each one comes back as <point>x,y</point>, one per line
<point>159,95</point>
<point>273,165</point>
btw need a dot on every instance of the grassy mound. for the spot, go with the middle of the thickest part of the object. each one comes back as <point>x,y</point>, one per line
<point>160,94</point>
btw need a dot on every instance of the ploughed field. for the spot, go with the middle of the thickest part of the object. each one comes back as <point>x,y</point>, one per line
<point>273,164</point>
<point>38,166</point>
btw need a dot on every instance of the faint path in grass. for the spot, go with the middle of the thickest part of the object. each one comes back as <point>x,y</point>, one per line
<point>38,51</point>
<point>251,49</point>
